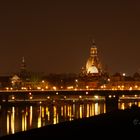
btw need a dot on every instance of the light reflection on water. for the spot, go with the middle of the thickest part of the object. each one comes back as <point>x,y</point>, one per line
<point>127,104</point>
<point>21,118</point>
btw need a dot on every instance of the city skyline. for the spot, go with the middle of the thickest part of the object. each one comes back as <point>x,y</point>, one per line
<point>55,37</point>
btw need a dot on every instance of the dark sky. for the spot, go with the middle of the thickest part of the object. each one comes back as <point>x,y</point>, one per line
<point>55,36</point>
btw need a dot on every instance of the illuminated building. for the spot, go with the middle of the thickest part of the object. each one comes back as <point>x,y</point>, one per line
<point>92,74</point>
<point>93,65</point>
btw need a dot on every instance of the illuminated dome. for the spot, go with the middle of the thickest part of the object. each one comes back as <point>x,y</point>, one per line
<point>93,65</point>
<point>92,70</point>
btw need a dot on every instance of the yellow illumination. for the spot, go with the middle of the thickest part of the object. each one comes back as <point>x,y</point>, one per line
<point>81,111</point>
<point>124,74</point>
<point>130,104</point>
<point>92,69</point>
<point>102,86</point>
<point>13,120</point>
<point>55,115</point>
<point>87,115</point>
<point>39,118</point>
<point>119,86</point>
<point>109,96</point>
<point>96,97</point>
<point>31,115</point>
<point>130,88</point>
<point>70,113</point>
<point>65,111</point>
<point>48,113</point>
<point>70,87</point>
<point>54,88</point>
<point>23,124</point>
<point>13,97</point>
<point>38,88</point>
<point>42,112</point>
<point>122,106</point>
<point>80,96</point>
<point>123,96</point>
<point>8,124</point>
<point>138,104</point>
<point>91,110</point>
<point>96,108</point>
<point>31,97</point>
<point>62,110</point>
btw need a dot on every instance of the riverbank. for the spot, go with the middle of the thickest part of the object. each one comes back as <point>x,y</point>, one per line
<point>116,121</point>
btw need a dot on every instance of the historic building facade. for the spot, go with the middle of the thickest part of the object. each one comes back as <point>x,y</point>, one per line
<point>93,65</point>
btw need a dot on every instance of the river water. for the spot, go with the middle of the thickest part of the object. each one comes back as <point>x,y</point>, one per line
<point>15,117</point>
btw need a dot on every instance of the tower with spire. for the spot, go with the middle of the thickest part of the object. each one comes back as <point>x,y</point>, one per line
<point>23,65</point>
<point>93,65</point>
<point>23,71</point>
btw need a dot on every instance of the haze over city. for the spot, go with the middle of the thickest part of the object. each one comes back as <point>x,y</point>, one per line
<point>56,36</point>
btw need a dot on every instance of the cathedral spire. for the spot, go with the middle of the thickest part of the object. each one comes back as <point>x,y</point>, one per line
<point>23,65</point>
<point>93,44</point>
<point>93,49</point>
<point>93,64</point>
<point>24,75</point>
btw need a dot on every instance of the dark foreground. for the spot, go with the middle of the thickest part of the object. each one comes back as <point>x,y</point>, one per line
<point>114,124</point>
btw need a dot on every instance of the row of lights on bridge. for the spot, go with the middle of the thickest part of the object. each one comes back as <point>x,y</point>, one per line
<point>48,97</point>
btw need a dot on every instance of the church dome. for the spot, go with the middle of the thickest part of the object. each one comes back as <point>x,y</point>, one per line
<point>93,65</point>
<point>92,70</point>
<point>90,63</point>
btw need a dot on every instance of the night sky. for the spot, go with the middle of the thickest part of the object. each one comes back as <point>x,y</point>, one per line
<point>55,36</point>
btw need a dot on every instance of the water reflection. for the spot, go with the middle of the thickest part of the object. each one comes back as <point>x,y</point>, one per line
<point>8,124</point>
<point>24,117</point>
<point>127,104</point>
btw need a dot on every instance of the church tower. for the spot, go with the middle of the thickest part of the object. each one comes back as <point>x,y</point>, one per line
<point>93,65</point>
<point>23,65</point>
<point>23,71</point>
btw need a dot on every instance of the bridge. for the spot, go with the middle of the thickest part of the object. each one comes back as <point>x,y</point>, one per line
<point>70,92</point>
<point>110,97</point>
